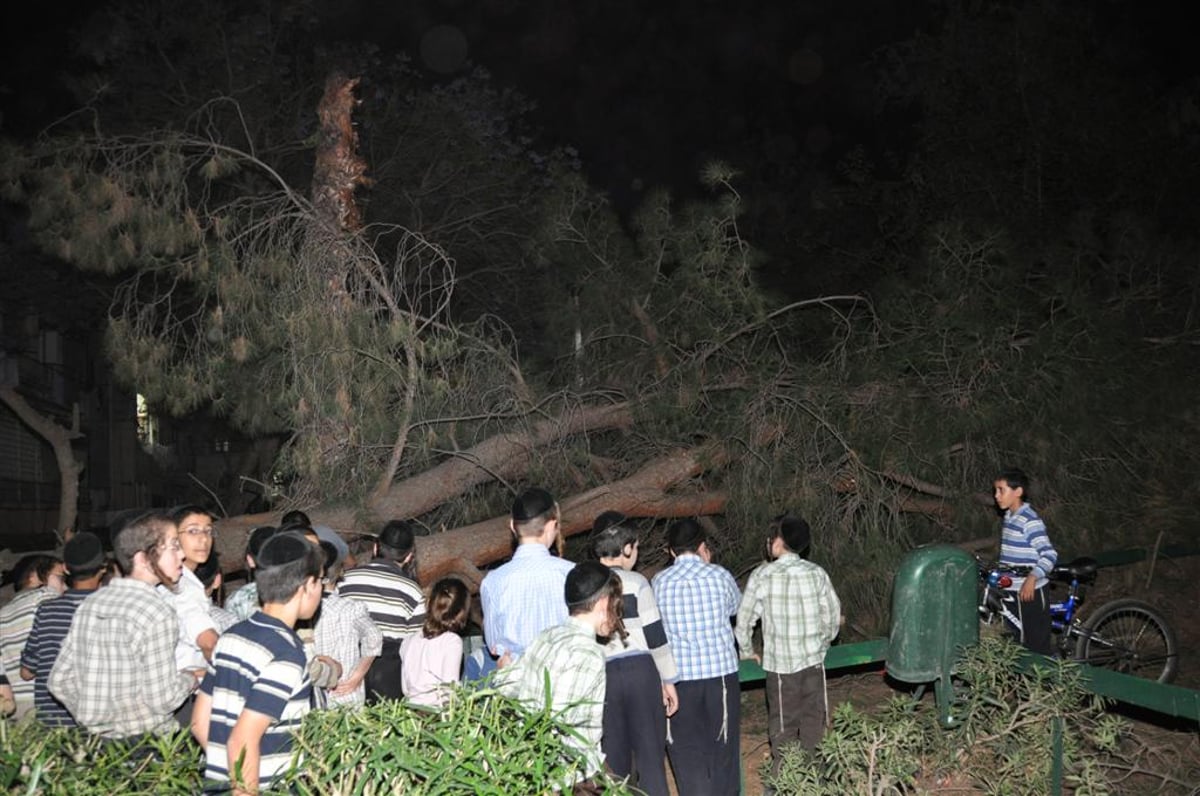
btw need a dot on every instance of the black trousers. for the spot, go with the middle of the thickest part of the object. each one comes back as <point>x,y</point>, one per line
<point>705,745</point>
<point>1034,634</point>
<point>795,709</point>
<point>383,678</point>
<point>635,723</point>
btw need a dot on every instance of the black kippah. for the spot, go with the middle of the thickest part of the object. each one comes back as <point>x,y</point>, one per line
<point>532,503</point>
<point>607,520</point>
<point>398,535</point>
<point>83,552</point>
<point>283,548</point>
<point>585,581</point>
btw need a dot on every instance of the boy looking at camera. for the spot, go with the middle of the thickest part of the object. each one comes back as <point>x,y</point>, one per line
<point>1024,545</point>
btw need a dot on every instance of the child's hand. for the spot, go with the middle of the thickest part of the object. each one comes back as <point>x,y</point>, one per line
<point>670,699</point>
<point>349,685</point>
<point>1028,588</point>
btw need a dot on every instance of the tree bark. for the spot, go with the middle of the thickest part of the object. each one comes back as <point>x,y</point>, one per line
<point>505,456</point>
<point>69,468</point>
<point>646,493</point>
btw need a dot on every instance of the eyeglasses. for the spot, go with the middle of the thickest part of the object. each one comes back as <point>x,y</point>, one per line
<point>174,546</point>
<point>200,532</point>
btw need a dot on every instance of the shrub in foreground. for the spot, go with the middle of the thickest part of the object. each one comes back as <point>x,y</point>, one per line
<point>1003,740</point>
<point>481,743</point>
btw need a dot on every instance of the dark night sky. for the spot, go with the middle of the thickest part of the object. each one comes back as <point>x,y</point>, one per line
<point>646,91</point>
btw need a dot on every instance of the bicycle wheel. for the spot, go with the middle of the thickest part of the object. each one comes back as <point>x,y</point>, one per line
<point>1130,637</point>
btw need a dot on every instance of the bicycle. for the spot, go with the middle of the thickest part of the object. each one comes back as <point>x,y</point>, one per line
<point>1124,635</point>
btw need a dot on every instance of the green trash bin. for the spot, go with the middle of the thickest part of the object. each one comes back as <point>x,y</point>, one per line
<point>934,616</point>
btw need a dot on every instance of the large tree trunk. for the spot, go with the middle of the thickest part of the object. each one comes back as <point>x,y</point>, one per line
<point>505,456</point>
<point>69,468</point>
<point>646,493</point>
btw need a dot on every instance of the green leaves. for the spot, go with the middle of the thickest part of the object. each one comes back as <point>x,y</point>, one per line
<point>1003,741</point>
<point>480,743</point>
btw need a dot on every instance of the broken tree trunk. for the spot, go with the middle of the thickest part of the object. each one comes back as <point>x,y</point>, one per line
<point>646,493</point>
<point>505,456</point>
<point>649,492</point>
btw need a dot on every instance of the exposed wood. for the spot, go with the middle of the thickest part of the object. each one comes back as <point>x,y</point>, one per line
<point>505,456</point>
<point>646,493</point>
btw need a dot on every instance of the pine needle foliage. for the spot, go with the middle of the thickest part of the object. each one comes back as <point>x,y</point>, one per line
<point>241,301</point>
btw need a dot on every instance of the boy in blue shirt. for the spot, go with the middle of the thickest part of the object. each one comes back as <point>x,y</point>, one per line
<point>1024,544</point>
<point>257,689</point>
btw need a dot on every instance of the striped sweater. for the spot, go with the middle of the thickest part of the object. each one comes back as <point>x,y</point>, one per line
<point>1024,543</point>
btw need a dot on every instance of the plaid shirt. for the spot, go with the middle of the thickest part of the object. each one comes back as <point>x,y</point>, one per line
<point>16,620</point>
<point>574,662</point>
<point>346,633</point>
<point>116,670</point>
<point>696,600</point>
<point>799,609</point>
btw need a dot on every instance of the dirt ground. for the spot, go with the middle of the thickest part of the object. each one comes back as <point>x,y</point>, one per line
<point>1173,587</point>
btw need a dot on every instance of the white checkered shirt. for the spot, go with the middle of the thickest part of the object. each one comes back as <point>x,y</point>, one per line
<point>573,659</point>
<point>346,633</point>
<point>799,609</point>
<point>116,670</point>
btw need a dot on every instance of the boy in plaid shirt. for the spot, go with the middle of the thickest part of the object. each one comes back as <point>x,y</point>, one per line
<point>800,615</point>
<point>569,657</point>
<point>697,598</point>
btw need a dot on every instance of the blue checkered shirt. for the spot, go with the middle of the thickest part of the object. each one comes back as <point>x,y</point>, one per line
<point>696,600</point>
<point>522,598</point>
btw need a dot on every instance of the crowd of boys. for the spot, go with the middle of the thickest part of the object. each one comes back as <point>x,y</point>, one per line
<point>641,670</point>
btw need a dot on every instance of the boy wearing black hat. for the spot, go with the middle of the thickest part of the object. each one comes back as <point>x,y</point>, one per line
<point>244,602</point>
<point>800,615</point>
<point>697,599</point>
<point>523,597</point>
<point>257,689</point>
<point>85,562</point>
<point>568,660</point>
<point>394,600</point>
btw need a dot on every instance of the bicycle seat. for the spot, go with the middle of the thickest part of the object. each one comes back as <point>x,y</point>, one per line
<point>1082,569</point>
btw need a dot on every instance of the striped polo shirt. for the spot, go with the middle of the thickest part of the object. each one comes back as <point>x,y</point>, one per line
<point>258,665</point>
<point>394,600</point>
<point>50,626</point>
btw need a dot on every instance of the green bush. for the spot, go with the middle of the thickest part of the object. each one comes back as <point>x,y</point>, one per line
<point>1002,741</point>
<point>481,743</point>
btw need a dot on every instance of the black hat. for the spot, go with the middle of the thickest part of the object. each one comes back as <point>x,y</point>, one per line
<point>84,552</point>
<point>398,535</point>
<point>585,581</point>
<point>795,532</point>
<point>607,520</point>
<point>532,503</point>
<point>283,548</point>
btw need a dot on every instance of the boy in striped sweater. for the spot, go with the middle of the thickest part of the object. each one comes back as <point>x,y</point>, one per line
<point>1024,544</point>
<point>257,689</point>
